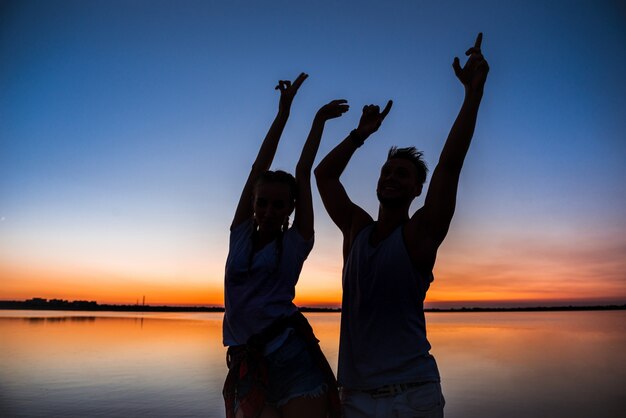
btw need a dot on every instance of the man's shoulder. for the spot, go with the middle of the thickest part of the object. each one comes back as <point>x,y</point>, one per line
<point>358,225</point>
<point>416,226</point>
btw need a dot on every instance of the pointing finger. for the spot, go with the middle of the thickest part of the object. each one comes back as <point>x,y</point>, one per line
<point>479,41</point>
<point>476,48</point>
<point>298,81</point>
<point>386,109</point>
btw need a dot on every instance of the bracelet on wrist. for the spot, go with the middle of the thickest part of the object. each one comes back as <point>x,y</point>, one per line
<point>356,139</point>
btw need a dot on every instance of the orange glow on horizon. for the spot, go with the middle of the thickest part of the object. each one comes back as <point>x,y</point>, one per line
<point>21,283</point>
<point>455,285</point>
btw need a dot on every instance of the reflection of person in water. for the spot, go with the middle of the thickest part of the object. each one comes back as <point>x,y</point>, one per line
<point>385,368</point>
<point>276,368</point>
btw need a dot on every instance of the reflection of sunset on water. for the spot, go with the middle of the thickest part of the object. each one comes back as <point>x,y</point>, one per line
<point>100,364</point>
<point>113,342</point>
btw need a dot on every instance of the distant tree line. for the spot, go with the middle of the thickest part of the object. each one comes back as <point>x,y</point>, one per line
<point>41,303</point>
<point>84,305</point>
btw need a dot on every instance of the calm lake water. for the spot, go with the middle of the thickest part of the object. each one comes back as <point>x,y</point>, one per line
<point>512,364</point>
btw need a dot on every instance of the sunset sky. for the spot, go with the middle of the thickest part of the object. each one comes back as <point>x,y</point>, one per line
<point>127,130</point>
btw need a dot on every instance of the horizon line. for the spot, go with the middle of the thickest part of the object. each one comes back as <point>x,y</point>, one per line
<point>83,305</point>
<point>520,303</point>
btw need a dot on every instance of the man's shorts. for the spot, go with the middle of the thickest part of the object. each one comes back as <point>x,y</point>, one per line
<point>423,401</point>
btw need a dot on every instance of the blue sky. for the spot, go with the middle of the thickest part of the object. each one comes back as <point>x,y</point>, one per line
<point>127,130</point>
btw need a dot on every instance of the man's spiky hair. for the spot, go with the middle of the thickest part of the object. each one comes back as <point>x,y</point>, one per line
<point>414,156</point>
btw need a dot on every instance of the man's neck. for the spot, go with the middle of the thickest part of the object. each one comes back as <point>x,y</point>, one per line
<point>392,217</point>
<point>389,218</point>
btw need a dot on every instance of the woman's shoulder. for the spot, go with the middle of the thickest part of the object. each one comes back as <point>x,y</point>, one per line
<point>242,230</point>
<point>293,234</point>
<point>293,241</point>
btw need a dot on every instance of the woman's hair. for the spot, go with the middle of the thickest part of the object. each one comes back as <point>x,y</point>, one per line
<point>280,177</point>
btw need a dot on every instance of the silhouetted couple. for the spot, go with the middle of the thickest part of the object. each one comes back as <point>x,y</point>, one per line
<point>276,368</point>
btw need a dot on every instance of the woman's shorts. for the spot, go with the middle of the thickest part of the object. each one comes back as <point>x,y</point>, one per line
<point>293,372</point>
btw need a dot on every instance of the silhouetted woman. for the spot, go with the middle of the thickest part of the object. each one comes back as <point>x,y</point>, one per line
<point>276,368</point>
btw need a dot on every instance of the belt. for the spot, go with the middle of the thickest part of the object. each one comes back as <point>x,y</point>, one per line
<point>392,390</point>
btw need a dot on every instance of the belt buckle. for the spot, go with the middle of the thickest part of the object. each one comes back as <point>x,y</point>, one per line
<point>388,390</point>
<point>380,392</point>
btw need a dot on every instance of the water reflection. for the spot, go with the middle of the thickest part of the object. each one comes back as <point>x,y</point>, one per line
<point>557,364</point>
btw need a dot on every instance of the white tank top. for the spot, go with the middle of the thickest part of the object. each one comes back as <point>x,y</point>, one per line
<point>383,329</point>
<point>258,293</point>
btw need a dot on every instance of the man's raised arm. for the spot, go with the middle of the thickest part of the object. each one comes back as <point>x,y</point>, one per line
<point>436,215</point>
<point>344,213</point>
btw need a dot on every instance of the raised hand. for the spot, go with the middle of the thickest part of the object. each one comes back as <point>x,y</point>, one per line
<point>474,73</point>
<point>288,91</point>
<point>371,119</point>
<point>267,151</point>
<point>332,110</point>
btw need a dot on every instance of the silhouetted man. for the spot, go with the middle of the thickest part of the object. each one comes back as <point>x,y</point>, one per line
<point>385,368</point>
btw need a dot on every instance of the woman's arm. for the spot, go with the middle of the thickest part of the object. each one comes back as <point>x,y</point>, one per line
<point>267,151</point>
<point>304,204</point>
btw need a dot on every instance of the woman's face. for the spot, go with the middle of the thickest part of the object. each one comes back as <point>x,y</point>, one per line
<point>272,206</point>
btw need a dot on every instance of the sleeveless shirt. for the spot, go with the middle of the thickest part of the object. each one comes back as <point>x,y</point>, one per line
<point>383,329</point>
<point>257,293</point>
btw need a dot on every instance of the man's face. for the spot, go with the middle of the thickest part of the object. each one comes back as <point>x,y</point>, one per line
<point>398,184</point>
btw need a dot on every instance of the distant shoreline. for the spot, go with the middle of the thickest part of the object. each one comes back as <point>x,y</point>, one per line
<point>92,306</point>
